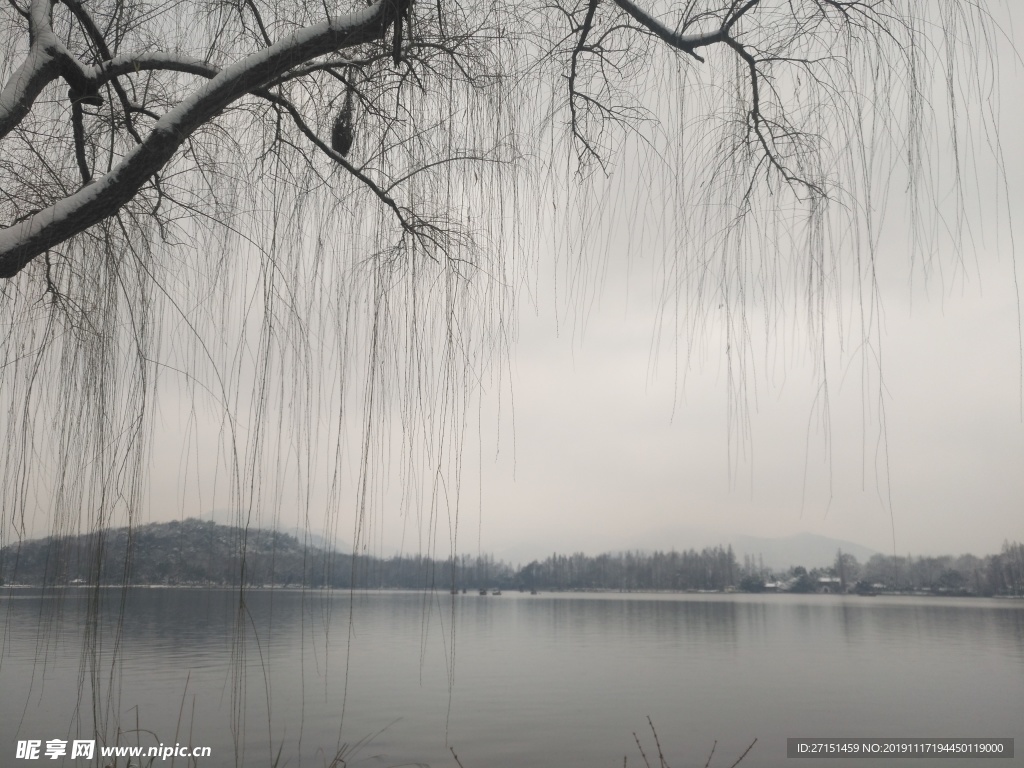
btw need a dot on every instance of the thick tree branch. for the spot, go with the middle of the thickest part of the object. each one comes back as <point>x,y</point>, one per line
<point>686,43</point>
<point>127,65</point>
<point>78,129</point>
<point>22,242</point>
<point>47,60</point>
<point>131,64</point>
<point>19,94</point>
<point>18,9</point>
<point>41,66</point>
<point>581,46</point>
<point>103,49</point>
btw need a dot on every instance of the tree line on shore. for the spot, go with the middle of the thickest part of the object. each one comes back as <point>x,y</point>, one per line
<point>202,553</point>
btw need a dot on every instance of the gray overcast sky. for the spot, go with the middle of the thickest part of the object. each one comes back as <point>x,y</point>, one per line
<point>600,462</point>
<point>605,448</point>
<point>609,453</point>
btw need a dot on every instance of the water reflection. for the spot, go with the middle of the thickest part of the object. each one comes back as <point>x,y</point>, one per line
<point>514,680</point>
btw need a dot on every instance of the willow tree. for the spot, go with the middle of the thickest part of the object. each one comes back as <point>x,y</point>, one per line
<point>302,222</point>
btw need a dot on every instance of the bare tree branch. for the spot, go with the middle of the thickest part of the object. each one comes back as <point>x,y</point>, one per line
<point>41,66</point>
<point>22,242</point>
<point>686,43</point>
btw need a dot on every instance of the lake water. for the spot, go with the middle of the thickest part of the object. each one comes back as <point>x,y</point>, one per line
<point>513,680</point>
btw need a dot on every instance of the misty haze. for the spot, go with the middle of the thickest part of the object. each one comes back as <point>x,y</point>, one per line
<point>510,383</point>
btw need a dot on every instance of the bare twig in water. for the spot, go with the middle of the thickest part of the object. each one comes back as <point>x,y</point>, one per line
<point>641,750</point>
<point>661,757</point>
<point>713,746</point>
<point>744,753</point>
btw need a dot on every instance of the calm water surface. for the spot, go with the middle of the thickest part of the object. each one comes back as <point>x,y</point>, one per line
<point>516,680</point>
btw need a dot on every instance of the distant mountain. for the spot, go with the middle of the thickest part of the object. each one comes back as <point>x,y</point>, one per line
<point>179,552</point>
<point>319,540</point>
<point>314,537</point>
<point>204,553</point>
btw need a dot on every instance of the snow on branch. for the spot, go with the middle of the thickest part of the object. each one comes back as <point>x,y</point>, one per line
<point>23,241</point>
<point>688,43</point>
<point>47,60</point>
